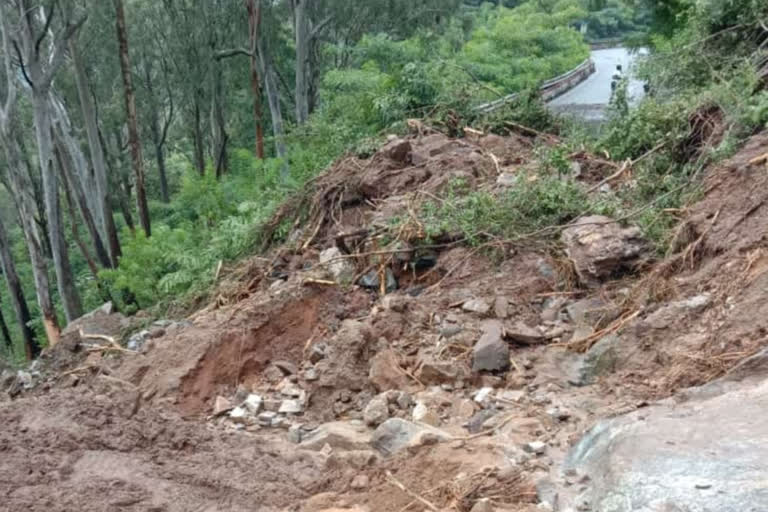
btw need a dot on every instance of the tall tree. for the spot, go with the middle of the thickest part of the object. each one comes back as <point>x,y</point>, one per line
<point>39,68</point>
<point>133,126</point>
<point>103,210</point>
<point>16,292</point>
<point>22,192</point>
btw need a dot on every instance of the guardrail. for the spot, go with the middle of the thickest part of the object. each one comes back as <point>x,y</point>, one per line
<point>550,89</point>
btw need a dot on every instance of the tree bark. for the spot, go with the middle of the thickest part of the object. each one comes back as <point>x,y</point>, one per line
<point>20,308</point>
<point>23,195</point>
<point>5,332</point>
<point>104,214</point>
<point>197,137</point>
<point>70,299</point>
<point>133,126</point>
<point>302,32</point>
<point>218,121</point>
<point>74,188</point>
<point>254,26</point>
<point>273,98</point>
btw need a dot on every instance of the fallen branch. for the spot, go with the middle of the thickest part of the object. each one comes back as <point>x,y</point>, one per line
<point>113,345</point>
<point>323,282</point>
<point>394,481</point>
<point>488,432</point>
<point>610,178</point>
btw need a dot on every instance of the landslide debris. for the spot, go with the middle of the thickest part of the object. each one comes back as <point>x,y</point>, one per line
<point>364,367</point>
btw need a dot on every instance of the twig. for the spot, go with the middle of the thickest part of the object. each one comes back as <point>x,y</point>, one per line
<point>610,178</point>
<point>324,282</point>
<point>488,432</point>
<point>397,483</point>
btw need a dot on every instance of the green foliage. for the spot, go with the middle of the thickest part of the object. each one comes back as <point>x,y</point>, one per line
<point>526,45</point>
<point>528,205</point>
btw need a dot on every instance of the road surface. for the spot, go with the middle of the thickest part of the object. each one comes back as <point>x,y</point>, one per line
<point>589,99</point>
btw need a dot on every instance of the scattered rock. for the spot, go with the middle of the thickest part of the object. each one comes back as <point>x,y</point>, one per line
<point>590,312</point>
<point>272,405</point>
<point>221,405</point>
<point>479,306</point>
<point>395,434</point>
<point>450,330</point>
<point>434,372</point>
<point>385,372</point>
<point>377,411</point>
<point>483,505</point>
<point>253,403</point>
<point>397,303</point>
<point>601,249</point>
<point>291,407</point>
<point>289,388</point>
<point>287,367</point>
<point>599,360</point>
<point>340,268</point>
<point>501,308</point>
<point>422,414</point>
<point>558,413</point>
<point>483,396</point>
<point>295,433</point>
<point>372,282</point>
<point>404,400</point>
<point>535,447</point>
<point>491,353</point>
<point>477,422</point>
<point>311,375</point>
<point>238,415</point>
<point>669,313</point>
<point>266,418</point>
<point>339,435</point>
<point>360,482</point>
<point>521,333</point>
<point>317,353</point>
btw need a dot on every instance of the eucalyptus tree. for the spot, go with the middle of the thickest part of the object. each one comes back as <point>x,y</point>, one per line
<point>41,45</point>
<point>132,119</point>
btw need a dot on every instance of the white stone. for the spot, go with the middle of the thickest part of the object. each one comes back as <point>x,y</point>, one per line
<point>238,414</point>
<point>483,395</point>
<point>536,447</point>
<point>253,403</point>
<point>291,407</point>
<point>423,414</point>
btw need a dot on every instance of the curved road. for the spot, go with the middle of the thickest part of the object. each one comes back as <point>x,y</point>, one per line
<point>589,98</point>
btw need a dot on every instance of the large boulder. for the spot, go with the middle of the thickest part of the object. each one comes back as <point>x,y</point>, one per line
<point>491,352</point>
<point>396,434</point>
<point>709,453</point>
<point>339,435</point>
<point>601,249</point>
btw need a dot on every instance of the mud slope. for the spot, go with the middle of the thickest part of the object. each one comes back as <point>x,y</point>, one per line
<point>356,371</point>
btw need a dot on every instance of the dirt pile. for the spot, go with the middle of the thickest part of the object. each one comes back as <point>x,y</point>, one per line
<point>356,369</point>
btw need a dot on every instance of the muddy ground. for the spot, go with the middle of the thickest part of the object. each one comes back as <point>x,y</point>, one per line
<point>138,430</point>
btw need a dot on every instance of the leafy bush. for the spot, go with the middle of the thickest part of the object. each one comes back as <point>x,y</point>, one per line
<point>527,206</point>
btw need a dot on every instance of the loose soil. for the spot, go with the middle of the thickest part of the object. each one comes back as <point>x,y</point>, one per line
<point>115,431</point>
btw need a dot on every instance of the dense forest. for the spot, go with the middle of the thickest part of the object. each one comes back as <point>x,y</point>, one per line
<point>144,142</point>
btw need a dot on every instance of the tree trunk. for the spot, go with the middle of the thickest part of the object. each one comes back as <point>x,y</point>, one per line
<point>70,299</point>
<point>303,39</point>
<point>197,137</point>
<point>74,188</point>
<point>22,189</point>
<point>18,301</point>
<point>5,332</point>
<point>160,157</point>
<point>273,97</point>
<point>254,25</point>
<point>104,216</point>
<point>133,126</point>
<point>218,121</point>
